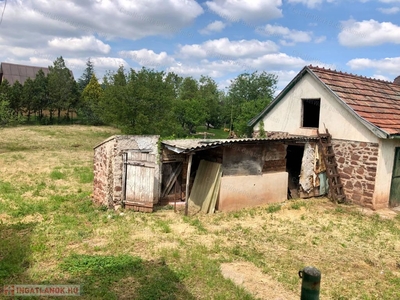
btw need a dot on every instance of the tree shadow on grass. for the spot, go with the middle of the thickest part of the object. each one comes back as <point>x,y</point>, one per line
<point>123,277</point>
<point>15,252</point>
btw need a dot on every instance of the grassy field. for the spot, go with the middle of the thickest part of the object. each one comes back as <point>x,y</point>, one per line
<point>50,233</point>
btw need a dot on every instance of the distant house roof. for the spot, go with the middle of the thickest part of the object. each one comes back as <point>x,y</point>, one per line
<point>376,103</point>
<point>14,72</point>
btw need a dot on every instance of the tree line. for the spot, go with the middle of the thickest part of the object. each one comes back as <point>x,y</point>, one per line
<point>144,101</point>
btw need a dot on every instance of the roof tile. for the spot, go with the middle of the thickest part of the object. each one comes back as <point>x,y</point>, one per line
<point>377,101</point>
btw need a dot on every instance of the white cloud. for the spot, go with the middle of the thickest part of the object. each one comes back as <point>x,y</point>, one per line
<point>228,49</point>
<point>106,18</point>
<point>216,26</point>
<point>380,77</point>
<point>368,33</point>
<point>389,65</point>
<point>289,36</point>
<point>320,39</point>
<point>311,3</point>
<point>389,11</point>
<point>83,44</point>
<point>148,58</point>
<point>247,11</point>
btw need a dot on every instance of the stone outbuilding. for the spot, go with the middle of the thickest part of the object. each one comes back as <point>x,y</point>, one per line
<point>127,172</point>
<point>226,174</point>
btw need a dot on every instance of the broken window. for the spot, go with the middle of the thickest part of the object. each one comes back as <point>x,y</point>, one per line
<point>311,108</point>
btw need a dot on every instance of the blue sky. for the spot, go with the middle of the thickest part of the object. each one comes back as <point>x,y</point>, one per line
<point>219,38</point>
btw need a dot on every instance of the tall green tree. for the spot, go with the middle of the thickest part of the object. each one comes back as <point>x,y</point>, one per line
<point>40,97</point>
<point>5,88</point>
<point>209,98</point>
<point>90,100</point>
<point>188,108</point>
<point>7,117</point>
<point>84,80</point>
<point>62,88</point>
<point>28,94</point>
<point>248,95</point>
<point>15,98</point>
<point>139,102</point>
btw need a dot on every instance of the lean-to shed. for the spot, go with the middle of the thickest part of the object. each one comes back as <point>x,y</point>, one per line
<point>226,174</point>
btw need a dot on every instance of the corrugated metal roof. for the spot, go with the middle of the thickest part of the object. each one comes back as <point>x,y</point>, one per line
<point>14,72</point>
<point>190,145</point>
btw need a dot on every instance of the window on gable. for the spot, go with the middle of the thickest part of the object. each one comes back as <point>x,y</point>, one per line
<point>311,108</point>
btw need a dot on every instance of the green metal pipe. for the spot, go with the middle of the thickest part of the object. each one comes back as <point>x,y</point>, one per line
<point>311,281</point>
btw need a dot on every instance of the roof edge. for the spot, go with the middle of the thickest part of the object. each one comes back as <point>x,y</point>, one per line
<point>282,94</point>
<point>373,128</point>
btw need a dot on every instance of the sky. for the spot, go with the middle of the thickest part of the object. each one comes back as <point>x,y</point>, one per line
<point>217,38</point>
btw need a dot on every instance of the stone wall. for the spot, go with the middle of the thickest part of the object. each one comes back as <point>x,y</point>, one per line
<point>357,165</point>
<point>109,167</point>
<point>103,173</point>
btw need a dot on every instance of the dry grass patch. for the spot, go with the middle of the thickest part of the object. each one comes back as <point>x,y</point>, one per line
<point>50,232</point>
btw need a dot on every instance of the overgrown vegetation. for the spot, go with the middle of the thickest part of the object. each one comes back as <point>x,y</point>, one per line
<point>138,102</point>
<point>51,233</point>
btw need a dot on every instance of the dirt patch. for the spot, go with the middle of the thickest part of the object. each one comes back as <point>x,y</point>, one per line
<point>36,218</point>
<point>385,213</point>
<point>260,285</point>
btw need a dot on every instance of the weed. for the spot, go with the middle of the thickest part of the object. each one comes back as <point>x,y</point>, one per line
<point>298,204</point>
<point>105,265</point>
<point>273,208</point>
<point>56,175</point>
<point>164,226</point>
<point>195,223</point>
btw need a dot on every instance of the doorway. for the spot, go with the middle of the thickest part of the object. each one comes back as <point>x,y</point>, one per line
<point>395,187</point>
<point>294,156</point>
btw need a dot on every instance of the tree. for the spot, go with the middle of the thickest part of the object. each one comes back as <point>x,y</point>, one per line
<point>209,97</point>
<point>188,108</point>
<point>62,88</point>
<point>40,96</point>
<point>5,88</point>
<point>15,98</point>
<point>28,93</point>
<point>84,80</point>
<point>7,116</point>
<point>89,106</point>
<point>139,102</point>
<point>248,95</point>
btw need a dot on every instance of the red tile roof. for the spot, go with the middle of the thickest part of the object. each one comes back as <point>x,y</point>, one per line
<point>376,101</point>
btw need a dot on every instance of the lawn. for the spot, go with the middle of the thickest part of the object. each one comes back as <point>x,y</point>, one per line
<point>51,233</point>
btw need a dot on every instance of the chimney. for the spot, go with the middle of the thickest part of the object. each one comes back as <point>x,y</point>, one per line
<point>397,80</point>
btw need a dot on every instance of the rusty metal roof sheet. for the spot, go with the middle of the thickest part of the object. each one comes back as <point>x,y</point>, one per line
<point>192,145</point>
<point>14,72</point>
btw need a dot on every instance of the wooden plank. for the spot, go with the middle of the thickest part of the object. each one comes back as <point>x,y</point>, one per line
<point>206,186</point>
<point>172,180</point>
<point>187,183</point>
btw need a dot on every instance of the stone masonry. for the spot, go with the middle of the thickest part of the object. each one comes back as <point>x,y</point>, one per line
<point>357,164</point>
<point>108,167</point>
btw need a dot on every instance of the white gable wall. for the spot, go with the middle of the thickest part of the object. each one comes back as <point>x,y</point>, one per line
<point>383,181</point>
<point>286,115</point>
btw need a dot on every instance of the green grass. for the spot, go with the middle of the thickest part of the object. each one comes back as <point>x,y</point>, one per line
<point>51,233</point>
<point>218,133</point>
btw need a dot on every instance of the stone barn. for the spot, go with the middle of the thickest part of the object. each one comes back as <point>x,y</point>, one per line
<point>127,172</point>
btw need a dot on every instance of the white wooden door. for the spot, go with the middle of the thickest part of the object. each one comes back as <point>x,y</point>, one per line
<point>139,174</point>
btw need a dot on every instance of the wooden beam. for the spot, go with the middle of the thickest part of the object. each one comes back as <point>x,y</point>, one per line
<point>187,183</point>
<point>171,180</point>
